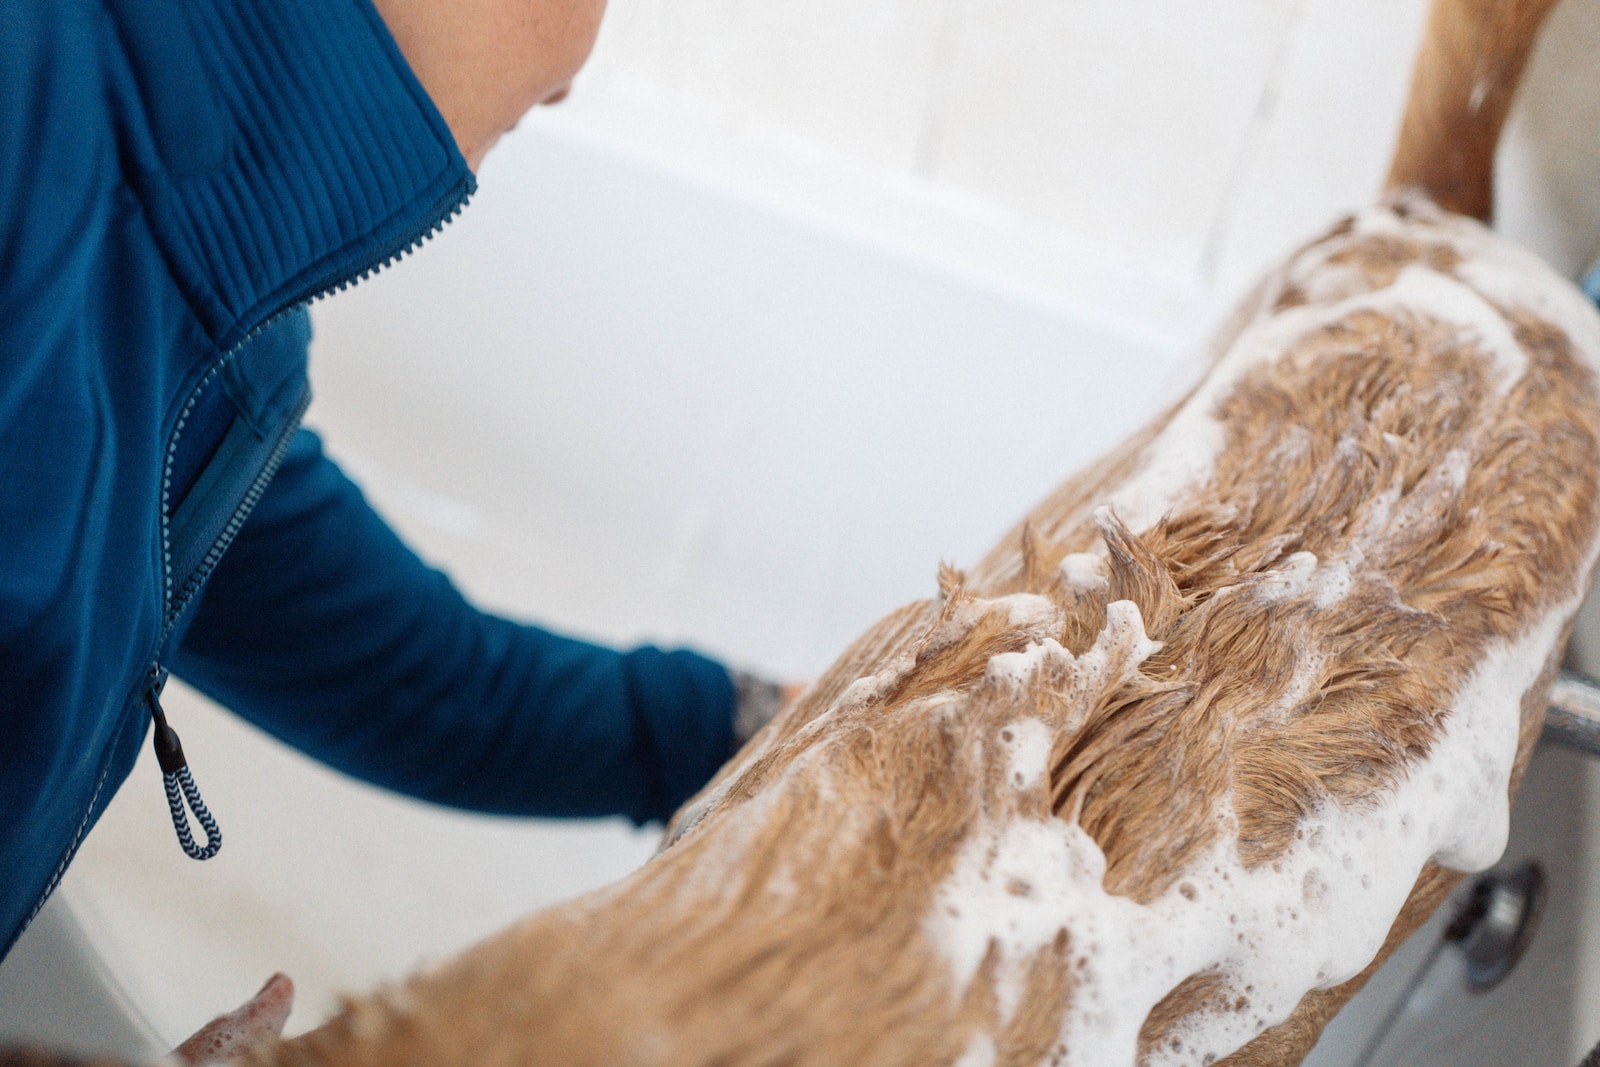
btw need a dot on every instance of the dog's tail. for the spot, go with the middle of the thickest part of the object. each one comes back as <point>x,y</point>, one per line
<point>1472,57</point>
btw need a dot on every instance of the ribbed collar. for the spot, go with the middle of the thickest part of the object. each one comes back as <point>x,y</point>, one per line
<point>287,149</point>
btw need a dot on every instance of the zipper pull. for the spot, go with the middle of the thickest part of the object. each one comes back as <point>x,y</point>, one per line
<point>177,780</point>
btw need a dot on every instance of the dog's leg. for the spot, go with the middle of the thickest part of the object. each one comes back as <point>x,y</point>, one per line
<point>1466,74</point>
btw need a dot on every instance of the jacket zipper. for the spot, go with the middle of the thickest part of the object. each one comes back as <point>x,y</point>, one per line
<point>177,780</point>
<point>447,208</point>
<point>178,601</point>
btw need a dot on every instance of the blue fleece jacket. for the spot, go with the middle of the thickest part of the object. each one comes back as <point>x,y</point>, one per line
<point>177,179</point>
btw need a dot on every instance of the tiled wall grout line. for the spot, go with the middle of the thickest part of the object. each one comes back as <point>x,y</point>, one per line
<point>1266,111</point>
<point>936,112</point>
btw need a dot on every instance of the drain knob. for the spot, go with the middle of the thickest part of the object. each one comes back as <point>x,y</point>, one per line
<point>1496,923</point>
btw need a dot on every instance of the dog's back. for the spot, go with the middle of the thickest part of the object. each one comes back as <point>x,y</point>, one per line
<point>1171,770</point>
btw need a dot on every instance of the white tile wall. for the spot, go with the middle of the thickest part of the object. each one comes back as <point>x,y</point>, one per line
<point>1192,141</point>
<point>1119,123</point>
<point>1549,195</point>
<point>855,77</point>
<point>1321,143</point>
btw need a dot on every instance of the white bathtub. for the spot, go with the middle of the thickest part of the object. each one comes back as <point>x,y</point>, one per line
<point>626,402</point>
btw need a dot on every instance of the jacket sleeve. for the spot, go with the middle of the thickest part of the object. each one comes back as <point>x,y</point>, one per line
<point>324,629</point>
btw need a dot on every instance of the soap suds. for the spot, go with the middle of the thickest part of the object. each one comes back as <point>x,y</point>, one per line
<point>1084,572</point>
<point>1118,649</point>
<point>1028,742</point>
<point>1333,896</point>
<point>1337,891</point>
<point>1302,575</point>
<point>1183,456</point>
<point>1020,880</point>
<point>980,1052</point>
<point>1502,271</point>
<point>1036,616</point>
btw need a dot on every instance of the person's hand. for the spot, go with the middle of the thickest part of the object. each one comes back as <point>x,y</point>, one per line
<point>758,701</point>
<point>228,1035</point>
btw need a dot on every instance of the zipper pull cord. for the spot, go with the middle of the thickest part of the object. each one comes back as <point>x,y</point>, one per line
<point>179,783</point>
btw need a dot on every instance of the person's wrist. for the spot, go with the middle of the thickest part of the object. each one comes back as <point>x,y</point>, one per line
<point>756,702</point>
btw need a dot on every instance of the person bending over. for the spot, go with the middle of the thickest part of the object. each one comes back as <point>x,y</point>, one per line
<point>178,179</point>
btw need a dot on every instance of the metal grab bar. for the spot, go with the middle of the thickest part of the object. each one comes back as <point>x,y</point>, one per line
<point>1573,719</point>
